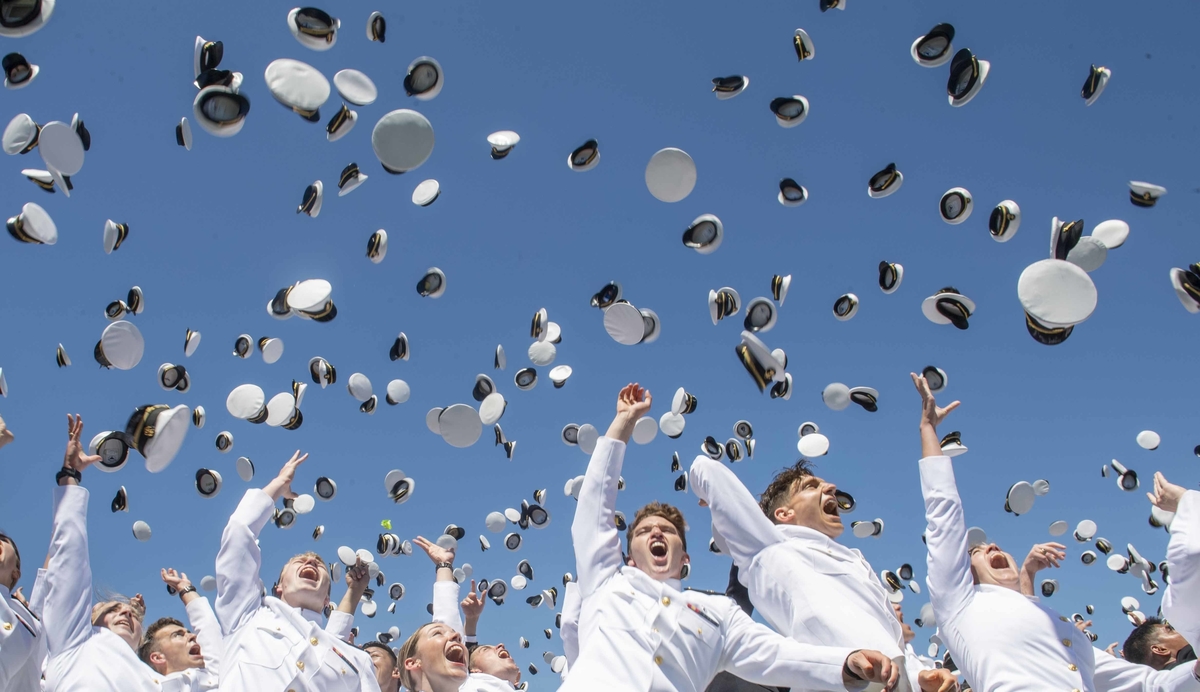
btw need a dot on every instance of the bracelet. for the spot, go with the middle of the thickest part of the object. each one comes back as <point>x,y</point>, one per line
<point>187,590</point>
<point>447,565</point>
<point>67,472</point>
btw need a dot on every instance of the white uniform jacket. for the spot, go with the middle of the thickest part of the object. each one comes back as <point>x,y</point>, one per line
<point>445,611</point>
<point>1001,639</point>
<point>22,645</point>
<point>1181,601</point>
<point>82,657</point>
<point>806,585</point>
<point>636,633</point>
<point>269,645</point>
<point>569,631</point>
<point>204,625</point>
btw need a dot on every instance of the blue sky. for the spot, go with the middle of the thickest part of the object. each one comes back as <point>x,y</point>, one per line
<point>213,235</point>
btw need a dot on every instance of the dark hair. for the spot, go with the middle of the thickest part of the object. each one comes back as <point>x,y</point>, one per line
<point>5,537</point>
<point>781,487</point>
<point>149,644</point>
<point>659,509</point>
<point>376,644</point>
<point>1137,647</point>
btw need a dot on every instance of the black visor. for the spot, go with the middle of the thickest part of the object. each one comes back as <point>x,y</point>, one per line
<point>883,179</point>
<point>429,284</point>
<point>607,295</point>
<point>224,108</point>
<point>759,316</point>
<point>421,78</point>
<point>314,22</point>
<point>999,220</point>
<point>954,311</point>
<point>953,205</point>
<point>585,153</point>
<point>964,72</point>
<point>18,13</point>
<point>791,190</point>
<point>787,108</point>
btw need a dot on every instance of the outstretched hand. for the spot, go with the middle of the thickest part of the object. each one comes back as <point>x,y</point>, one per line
<point>176,580</point>
<point>1166,495</point>
<point>1044,555</point>
<point>932,415</point>
<point>74,458</point>
<point>358,577</point>
<point>436,553</point>
<point>633,402</point>
<point>937,680</point>
<point>6,435</point>
<point>281,485</point>
<point>472,605</point>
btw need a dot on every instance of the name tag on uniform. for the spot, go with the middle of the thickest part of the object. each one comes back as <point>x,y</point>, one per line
<point>702,612</point>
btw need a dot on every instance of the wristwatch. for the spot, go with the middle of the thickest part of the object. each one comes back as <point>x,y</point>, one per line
<point>187,590</point>
<point>67,472</point>
<point>447,565</point>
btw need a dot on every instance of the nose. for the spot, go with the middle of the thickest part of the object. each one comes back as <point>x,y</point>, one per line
<point>500,647</point>
<point>829,488</point>
<point>191,638</point>
<point>456,637</point>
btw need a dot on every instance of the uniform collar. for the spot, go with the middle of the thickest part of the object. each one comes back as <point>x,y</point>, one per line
<point>490,681</point>
<point>673,583</point>
<point>313,616</point>
<point>815,539</point>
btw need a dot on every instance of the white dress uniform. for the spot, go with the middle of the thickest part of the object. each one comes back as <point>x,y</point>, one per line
<point>445,611</point>
<point>22,645</point>
<point>636,633</point>
<point>1003,640</point>
<point>806,585</point>
<point>204,625</point>
<point>569,629</point>
<point>270,645</point>
<point>1181,600</point>
<point>82,657</point>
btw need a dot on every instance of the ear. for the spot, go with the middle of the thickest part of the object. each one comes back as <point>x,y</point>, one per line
<point>783,514</point>
<point>629,561</point>
<point>412,665</point>
<point>1160,650</point>
<point>157,658</point>
<point>395,673</point>
<point>277,590</point>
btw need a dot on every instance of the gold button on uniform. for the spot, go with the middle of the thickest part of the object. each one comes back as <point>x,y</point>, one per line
<point>300,665</point>
<point>1062,617</point>
<point>313,641</point>
<point>666,600</point>
<point>7,626</point>
<point>658,660</point>
<point>1072,667</point>
<point>1067,643</point>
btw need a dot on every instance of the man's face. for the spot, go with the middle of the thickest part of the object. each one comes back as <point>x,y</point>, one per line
<point>179,649</point>
<point>385,670</point>
<point>909,635</point>
<point>1168,643</point>
<point>440,656</point>
<point>657,548</point>
<point>497,662</point>
<point>124,623</point>
<point>304,583</point>
<point>10,563</point>
<point>990,565</point>
<point>813,505</point>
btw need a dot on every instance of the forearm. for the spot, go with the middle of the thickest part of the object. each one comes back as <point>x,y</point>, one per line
<point>735,513</point>
<point>67,615</point>
<point>931,445</point>
<point>593,532</point>
<point>470,627</point>
<point>350,601</point>
<point>1027,579</point>
<point>949,566</point>
<point>621,428</point>
<point>239,560</point>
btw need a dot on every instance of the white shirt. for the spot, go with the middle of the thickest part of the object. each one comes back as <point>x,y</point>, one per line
<point>1181,601</point>
<point>636,633</point>
<point>204,625</point>
<point>1001,639</point>
<point>270,645</point>
<point>82,657</point>
<point>806,585</point>
<point>22,645</point>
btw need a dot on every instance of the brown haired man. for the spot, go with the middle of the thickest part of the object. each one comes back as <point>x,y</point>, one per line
<point>806,584</point>
<point>638,629</point>
<point>187,659</point>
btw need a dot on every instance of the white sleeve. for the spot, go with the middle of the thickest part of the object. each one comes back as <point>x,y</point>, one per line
<point>37,594</point>
<point>1181,601</point>
<point>339,625</point>
<point>569,631</point>
<point>758,654</point>
<point>735,514</point>
<point>1118,675</point>
<point>445,605</point>
<point>594,530</point>
<point>950,584</point>
<point>208,633</point>
<point>68,608</point>
<point>239,586</point>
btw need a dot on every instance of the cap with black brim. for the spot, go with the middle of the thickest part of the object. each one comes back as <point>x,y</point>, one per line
<point>403,140</point>
<point>1004,221</point>
<point>935,48</point>
<point>885,182</point>
<point>967,76</point>
<point>221,111</point>
<point>313,28</point>
<point>121,346</point>
<point>157,432</point>
<point>424,78</point>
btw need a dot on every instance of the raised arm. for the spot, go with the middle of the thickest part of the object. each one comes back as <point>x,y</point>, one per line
<point>445,588</point>
<point>594,530</point>
<point>735,514</point>
<point>68,609</point>
<point>239,586</point>
<point>201,618</point>
<point>341,620</point>
<point>1118,675</point>
<point>37,594</point>
<point>572,604</point>
<point>758,654</point>
<point>948,563</point>
<point>472,609</point>
<point>1181,601</point>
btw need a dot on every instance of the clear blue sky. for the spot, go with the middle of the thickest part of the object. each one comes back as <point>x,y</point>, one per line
<point>213,235</point>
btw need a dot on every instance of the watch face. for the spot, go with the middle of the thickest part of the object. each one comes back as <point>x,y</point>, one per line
<point>113,452</point>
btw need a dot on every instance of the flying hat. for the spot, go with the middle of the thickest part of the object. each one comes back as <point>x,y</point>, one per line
<point>512,541</point>
<point>1186,283</point>
<point>426,193</point>
<point>460,425</point>
<point>1112,233</point>
<point>672,424</point>
<point>33,225</point>
<point>341,123</point>
<point>760,315</point>
<point>885,182</point>
<point>355,87</point>
<point>298,86</point>
<point>791,193</point>
<point>1094,85</point>
<point>948,306</point>
<point>484,386</point>
<point>402,140</point>
<point>245,469</point>
<point>712,448</point>
<point>525,379</point>
<point>1058,528</point>
<point>220,110</point>
<point>207,55</point>
<point>836,396</point>
<point>424,79</point>
<point>723,303</point>
<point>935,48</point>
<point>1085,531</point>
<point>114,234</point>
<point>1127,479</point>
<point>376,27</point>
<point>60,356</point>
<point>113,448</point>
<point>789,111</point>
<point>728,87</point>
<point>1064,236</point>
<point>867,529</point>
<point>704,234</point>
<point>62,147</point>
<point>624,323</point>
<point>18,72</point>
<point>645,432</point>
<point>492,408</point>
<point>313,28</point>
<point>43,179</point>
<point>759,362</point>
<point>588,437</point>
<point>584,157</point>
<point>23,17</point>
<point>1004,221</point>
<point>157,432</point>
<point>935,377</point>
<point>845,307</point>
<point>1020,498</point>
<point>559,375</point>
<point>683,402</point>
<point>651,326</point>
<point>432,284</point>
<point>1049,587</point>
<point>956,205</point>
<point>141,531</point>
<point>891,275</point>
<point>120,346</point>
<point>865,397</point>
<point>813,445</point>
<point>208,483</point>
<point>502,143</point>
<point>1088,254</point>
<point>779,287</point>
<point>21,135</point>
<point>359,386</point>
<point>803,45</point>
<point>1140,193</point>
<point>282,412</point>
<point>271,349</point>
<point>951,444</point>
<point>827,5</point>
<point>1045,334</point>
<point>607,296</point>
<point>1056,294</point>
<point>120,502</point>
<point>171,376</point>
<point>377,246</point>
<point>671,175</point>
<point>967,75</point>
<point>348,181</point>
<point>198,416</point>
<point>397,392</point>
<point>322,371</point>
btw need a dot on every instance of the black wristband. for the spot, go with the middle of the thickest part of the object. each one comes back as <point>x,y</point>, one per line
<point>846,667</point>
<point>447,565</point>
<point>67,472</point>
<point>186,590</point>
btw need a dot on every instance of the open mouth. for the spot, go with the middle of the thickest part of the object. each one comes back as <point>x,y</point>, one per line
<point>456,654</point>
<point>830,506</point>
<point>503,654</point>
<point>658,548</point>
<point>309,573</point>
<point>195,650</point>
<point>998,560</point>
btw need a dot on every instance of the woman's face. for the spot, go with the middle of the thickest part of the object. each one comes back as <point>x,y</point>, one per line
<point>441,659</point>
